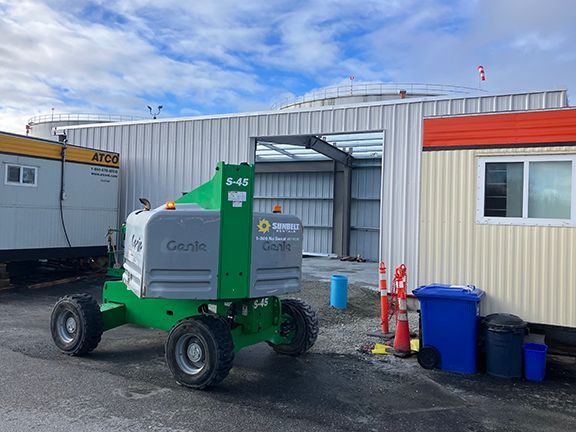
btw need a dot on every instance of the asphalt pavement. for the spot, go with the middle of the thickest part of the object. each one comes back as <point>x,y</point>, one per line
<point>125,384</point>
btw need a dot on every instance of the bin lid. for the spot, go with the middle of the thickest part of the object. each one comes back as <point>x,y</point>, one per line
<point>504,321</point>
<point>453,292</point>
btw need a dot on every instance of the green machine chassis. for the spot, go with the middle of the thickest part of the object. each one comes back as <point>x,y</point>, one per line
<point>204,334</point>
<point>254,320</point>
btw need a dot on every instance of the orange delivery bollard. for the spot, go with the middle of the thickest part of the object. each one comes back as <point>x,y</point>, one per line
<point>384,310</point>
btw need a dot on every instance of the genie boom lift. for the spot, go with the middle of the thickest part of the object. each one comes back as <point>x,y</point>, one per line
<point>208,270</point>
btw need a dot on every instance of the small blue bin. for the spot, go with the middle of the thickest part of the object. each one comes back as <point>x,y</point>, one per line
<point>535,361</point>
<point>449,317</point>
<point>338,291</point>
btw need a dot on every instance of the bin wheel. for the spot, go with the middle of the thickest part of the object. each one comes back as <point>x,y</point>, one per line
<point>76,324</point>
<point>300,320</point>
<point>200,351</point>
<point>429,357</point>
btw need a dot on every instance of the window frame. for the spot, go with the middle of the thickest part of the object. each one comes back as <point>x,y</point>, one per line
<point>20,181</point>
<point>524,220</point>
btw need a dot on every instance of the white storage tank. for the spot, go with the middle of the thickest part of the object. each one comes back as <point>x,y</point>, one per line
<point>45,125</point>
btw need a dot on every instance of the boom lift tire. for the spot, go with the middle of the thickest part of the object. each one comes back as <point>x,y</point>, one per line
<point>76,324</point>
<point>200,351</point>
<point>300,319</point>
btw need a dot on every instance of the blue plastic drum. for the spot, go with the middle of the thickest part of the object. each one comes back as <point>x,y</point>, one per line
<point>338,291</point>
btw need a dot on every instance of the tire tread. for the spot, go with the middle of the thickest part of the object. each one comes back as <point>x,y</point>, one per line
<point>297,348</point>
<point>89,312</point>
<point>220,331</point>
<point>225,346</point>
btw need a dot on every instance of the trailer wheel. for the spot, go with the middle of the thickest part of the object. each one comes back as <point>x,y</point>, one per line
<point>300,320</point>
<point>76,324</point>
<point>200,351</point>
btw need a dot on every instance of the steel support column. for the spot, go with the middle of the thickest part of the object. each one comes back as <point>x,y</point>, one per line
<point>342,206</point>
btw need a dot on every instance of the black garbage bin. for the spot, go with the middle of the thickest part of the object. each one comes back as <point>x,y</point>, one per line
<point>504,341</point>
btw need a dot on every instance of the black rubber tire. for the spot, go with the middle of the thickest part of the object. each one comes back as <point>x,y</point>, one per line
<point>88,324</point>
<point>213,335</point>
<point>429,357</point>
<point>306,322</point>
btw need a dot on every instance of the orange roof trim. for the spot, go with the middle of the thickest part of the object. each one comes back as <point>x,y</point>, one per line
<point>504,130</point>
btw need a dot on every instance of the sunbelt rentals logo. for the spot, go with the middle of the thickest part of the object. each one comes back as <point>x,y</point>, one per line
<point>263,226</point>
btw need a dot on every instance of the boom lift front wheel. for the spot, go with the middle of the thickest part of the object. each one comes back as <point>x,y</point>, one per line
<point>200,351</point>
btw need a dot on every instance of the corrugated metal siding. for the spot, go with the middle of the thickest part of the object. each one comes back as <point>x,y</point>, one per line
<point>365,209</point>
<point>526,270</point>
<point>306,195</point>
<point>30,216</point>
<point>162,158</point>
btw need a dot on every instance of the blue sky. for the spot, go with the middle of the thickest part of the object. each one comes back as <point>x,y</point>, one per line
<point>202,57</point>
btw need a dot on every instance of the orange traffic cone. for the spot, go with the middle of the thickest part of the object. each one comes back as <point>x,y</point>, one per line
<point>402,338</point>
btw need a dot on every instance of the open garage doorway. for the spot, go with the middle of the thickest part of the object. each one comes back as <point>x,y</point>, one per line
<point>331,182</point>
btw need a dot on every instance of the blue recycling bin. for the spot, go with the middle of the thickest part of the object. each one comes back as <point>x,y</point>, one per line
<point>535,361</point>
<point>449,318</point>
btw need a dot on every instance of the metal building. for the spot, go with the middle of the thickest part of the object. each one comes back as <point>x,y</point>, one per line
<point>165,157</point>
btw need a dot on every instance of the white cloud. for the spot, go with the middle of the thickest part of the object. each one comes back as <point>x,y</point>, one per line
<point>225,55</point>
<point>52,59</point>
<point>534,41</point>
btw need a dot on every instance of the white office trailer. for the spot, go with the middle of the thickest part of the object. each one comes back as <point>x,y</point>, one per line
<point>56,200</point>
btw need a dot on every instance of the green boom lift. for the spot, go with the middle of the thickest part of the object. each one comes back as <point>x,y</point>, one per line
<point>208,270</point>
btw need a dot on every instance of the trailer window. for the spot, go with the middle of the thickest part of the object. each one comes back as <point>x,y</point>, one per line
<point>29,175</point>
<point>20,175</point>
<point>550,189</point>
<point>526,190</point>
<point>13,174</point>
<point>503,189</point>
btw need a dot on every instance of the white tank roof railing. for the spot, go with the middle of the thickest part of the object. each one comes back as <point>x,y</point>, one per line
<point>374,89</point>
<point>84,117</point>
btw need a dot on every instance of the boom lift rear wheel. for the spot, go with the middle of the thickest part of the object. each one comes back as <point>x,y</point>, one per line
<point>300,322</point>
<point>200,351</point>
<point>76,324</point>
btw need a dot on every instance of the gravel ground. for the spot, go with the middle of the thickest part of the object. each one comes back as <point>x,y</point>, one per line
<point>347,331</point>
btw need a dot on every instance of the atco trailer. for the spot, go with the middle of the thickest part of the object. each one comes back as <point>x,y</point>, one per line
<point>56,200</point>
